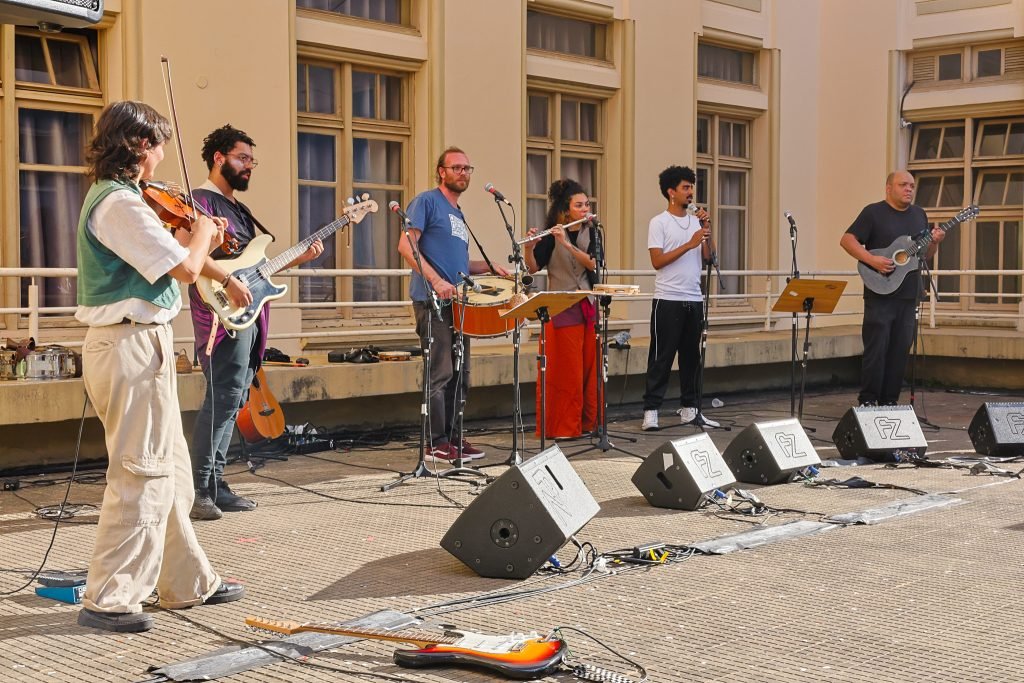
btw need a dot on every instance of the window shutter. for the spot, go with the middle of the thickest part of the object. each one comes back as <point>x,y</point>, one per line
<point>1013,61</point>
<point>924,69</point>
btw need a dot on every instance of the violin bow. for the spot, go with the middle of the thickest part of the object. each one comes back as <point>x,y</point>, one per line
<point>165,68</point>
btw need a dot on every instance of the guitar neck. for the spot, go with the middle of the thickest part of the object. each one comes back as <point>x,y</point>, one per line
<point>922,242</point>
<point>413,636</point>
<point>288,255</point>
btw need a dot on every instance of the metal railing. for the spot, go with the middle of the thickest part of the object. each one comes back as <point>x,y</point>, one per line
<point>759,315</point>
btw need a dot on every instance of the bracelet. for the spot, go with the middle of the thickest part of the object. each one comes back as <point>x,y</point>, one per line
<point>227,278</point>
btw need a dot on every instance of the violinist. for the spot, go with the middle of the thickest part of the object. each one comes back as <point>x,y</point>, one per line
<point>128,269</point>
<point>233,362</point>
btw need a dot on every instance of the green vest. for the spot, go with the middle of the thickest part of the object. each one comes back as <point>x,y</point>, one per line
<point>103,276</point>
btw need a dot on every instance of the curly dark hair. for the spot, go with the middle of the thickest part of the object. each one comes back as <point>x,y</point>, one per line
<point>670,178</point>
<point>124,132</point>
<point>559,194</point>
<point>223,140</point>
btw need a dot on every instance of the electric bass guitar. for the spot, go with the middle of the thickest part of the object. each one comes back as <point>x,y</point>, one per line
<point>905,253</point>
<point>253,268</point>
<point>519,656</point>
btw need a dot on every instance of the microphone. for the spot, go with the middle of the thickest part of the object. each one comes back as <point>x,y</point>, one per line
<point>498,196</point>
<point>469,281</point>
<point>691,209</point>
<point>397,208</point>
<point>789,217</point>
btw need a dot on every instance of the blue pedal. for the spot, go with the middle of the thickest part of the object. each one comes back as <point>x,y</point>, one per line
<point>69,594</point>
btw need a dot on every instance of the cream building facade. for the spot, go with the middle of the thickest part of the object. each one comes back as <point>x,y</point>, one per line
<point>780,105</point>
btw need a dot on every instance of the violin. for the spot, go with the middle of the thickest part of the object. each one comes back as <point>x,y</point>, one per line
<point>178,210</point>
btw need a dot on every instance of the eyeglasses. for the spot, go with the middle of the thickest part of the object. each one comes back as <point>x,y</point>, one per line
<point>459,170</point>
<point>245,159</point>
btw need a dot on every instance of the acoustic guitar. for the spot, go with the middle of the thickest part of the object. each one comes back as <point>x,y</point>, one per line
<point>261,417</point>
<point>520,656</point>
<point>905,253</point>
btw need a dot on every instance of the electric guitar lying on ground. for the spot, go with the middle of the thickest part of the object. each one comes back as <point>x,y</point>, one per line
<point>905,254</point>
<point>254,269</point>
<point>520,656</point>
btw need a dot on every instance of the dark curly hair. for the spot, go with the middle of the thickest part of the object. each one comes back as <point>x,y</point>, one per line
<point>124,132</point>
<point>223,140</point>
<point>670,178</point>
<point>559,194</point>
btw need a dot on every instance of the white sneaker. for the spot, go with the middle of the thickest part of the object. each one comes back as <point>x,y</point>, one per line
<point>688,415</point>
<point>650,420</point>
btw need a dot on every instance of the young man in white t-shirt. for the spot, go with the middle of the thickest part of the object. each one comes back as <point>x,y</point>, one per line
<point>679,244</point>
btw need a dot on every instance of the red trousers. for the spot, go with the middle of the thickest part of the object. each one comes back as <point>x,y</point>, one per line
<point>571,406</point>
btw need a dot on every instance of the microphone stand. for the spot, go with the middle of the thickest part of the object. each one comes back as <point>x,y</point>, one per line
<point>421,470</point>
<point>794,274</point>
<point>922,419</point>
<point>515,457</point>
<point>601,340</point>
<point>699,420</point>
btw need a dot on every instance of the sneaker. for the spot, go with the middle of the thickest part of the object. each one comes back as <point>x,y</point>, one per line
<point>227,501</point>
<point>443,453</point>
<point>203,507</point>
<point>471,452</point>
<point>689,415</point>
<point>118,622</point>
<point>650,420</point>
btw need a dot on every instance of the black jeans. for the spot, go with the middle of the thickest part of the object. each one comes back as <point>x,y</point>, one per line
<point>887,332</point>
<point>443,361</point>
<point>675,331</point>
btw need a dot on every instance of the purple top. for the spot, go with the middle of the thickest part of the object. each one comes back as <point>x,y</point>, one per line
<point>241,227</point>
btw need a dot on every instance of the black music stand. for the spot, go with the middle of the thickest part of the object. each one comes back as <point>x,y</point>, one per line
<point>542,306</point>
<point>808,296</point>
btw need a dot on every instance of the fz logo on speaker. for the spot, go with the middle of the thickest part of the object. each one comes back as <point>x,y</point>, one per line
<point>1016,422</point>
<point>703,460</point>
<point>889,428</point>
<point>787,442</point>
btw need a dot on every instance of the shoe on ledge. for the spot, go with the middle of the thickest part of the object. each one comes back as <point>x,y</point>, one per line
<point>118,622</point>
<point>228,591</point>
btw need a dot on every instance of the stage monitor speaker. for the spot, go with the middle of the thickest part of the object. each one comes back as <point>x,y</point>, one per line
<point>880,433</point>
<point>680,472</point>
<point>522,518</point>
<point>998,430</point>
<point>51,15</point>
<point>769,452</point>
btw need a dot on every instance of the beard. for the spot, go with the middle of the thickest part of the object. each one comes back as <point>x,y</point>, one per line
<point>238,181</point>
<point>457,184</point>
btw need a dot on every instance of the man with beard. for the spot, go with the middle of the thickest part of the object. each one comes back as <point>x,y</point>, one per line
<point>229,370</point>
<point>441,235</point>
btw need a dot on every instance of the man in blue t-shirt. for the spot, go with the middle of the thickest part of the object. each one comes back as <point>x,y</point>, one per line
<point>889,320</point>
<point>441,236</point>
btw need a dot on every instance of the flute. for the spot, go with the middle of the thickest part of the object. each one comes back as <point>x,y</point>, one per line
<point>545,233</point>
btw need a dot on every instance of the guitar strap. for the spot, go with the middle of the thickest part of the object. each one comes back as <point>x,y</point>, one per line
<point>480,247</point>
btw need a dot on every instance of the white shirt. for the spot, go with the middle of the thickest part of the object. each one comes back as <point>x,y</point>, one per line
<point>123,223</point>
<point>679,280</point>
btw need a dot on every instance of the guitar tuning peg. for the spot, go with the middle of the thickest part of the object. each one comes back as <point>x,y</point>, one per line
<point>364,196</point>
<point>350,201</point>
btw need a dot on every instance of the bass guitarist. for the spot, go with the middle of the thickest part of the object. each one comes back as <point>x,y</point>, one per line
<point>229,370</point>
<point>889,320</point>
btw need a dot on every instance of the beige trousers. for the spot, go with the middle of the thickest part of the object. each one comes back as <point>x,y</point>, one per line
<point>145,538</point>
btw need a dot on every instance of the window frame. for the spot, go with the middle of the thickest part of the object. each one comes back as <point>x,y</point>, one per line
<point>755,81</point>
<point>407,11</point>
<point>94,87</point>
<point>602,40</point>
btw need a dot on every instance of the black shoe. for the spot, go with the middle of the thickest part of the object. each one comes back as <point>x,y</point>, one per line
<point>119,622</point>
<point>229,502</point>
<point>203,507</point>
<point>228,591</point>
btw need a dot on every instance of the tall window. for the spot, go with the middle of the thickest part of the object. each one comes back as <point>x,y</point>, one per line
<point>386,11</point>
<point>563,141</point>
<point>555,33</point>
<point>993,151</point>
<point>59,98</point>
<point>723,188</point>
<point>353,137</point>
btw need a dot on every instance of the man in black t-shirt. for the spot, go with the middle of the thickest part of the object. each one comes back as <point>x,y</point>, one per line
<point>888,328</point>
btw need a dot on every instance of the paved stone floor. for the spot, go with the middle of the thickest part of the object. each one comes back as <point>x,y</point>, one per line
<point>932,596</point>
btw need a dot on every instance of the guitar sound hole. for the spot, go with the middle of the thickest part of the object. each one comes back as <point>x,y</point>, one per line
<point>900,258</point>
